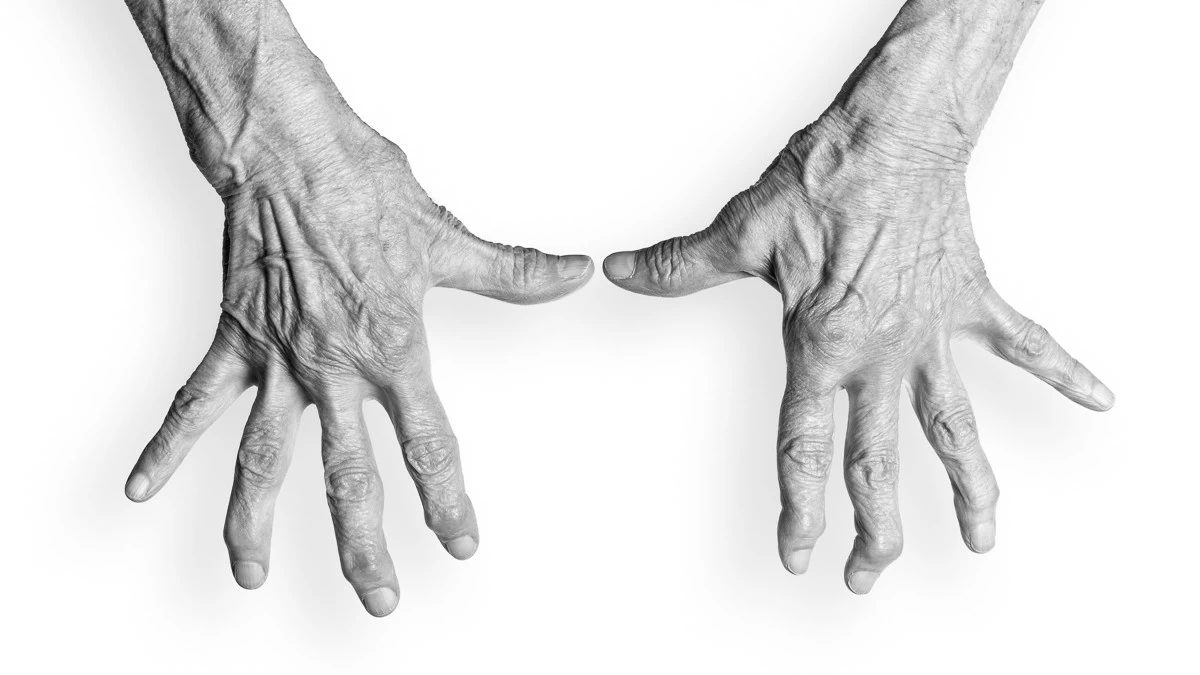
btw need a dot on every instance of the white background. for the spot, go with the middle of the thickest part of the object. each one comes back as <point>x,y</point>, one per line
<point>619,449</point>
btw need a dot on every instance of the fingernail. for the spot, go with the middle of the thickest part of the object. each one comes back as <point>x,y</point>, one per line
<point>620,265</point>
<point>462,548</point>
<point>137,487</point>
<point>861,583</point>
<point>1104,396</point>
<point>797,561</point>
<point>249,575</point>
<point>575,266</point>
<point>982,537</point>
<point>380,602</point>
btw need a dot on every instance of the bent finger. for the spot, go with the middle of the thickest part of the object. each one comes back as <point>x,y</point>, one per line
<point>941,403</point>
<point>262,463</point>
<point>515,274</point>
<point>216,383</point>
<point>432,456</point>
<point>805,453</point>
<point>354,491</point>
<point>1020,341</point>
<point>872,474</point>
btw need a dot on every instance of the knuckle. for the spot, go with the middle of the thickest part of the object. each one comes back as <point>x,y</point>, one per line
<point>191,404</point>
<point>983,496</point>
<point>665,263</point>
<point>875,471</point>
<point>365,563</point>
<point>884,548</point>
<point>1070,375</point>
<point>1032,342</point>
<point>446,515</point>
<point>811,457</point>
<point>837,335</point>
<point>432,460</point>
<point>807,523</point>
<point>954,431</point>
<point>526,264</point>
<point>259,463</point>
<point>351,483</point>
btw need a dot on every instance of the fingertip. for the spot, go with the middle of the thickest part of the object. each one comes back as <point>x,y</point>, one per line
<point>380,602</point>
<point>621,265</point>
<point>981,537</point>
<point>137,488</point>
<point>861,582</point>
<point>797,561</point>
<point>463,547</point>
<point>575,267</point>
<point>1102,398</point>
<point>249,575</point>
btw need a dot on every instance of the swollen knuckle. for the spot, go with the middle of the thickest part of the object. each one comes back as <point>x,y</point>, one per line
<point>190,405</point>
<point>810,457</point>
<point>1032,341</point>
<point>432,459</point>
<point>259,463</point>
<point>809,524</point>
<point>873,471</point>
<point>954,430</point>
<point>446,515</point>
<point>885,548</point>
<point>364,563</point>
<point>988,497</point>
<point>351,483</point>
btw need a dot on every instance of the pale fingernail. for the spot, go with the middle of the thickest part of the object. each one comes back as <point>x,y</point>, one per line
<point>620,265</point>
<point>861,583</point>
<point>797,561</point>
<point>982,537</point>
<point>1104,396</point>
<point>462,548</point>
<point>137,487</point>
<point>575,266</point>
<point>380,602</point>
<point>249,575</point>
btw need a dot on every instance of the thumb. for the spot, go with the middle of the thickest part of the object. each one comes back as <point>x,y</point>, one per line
<point>676,266</point>
<point>516,274</point>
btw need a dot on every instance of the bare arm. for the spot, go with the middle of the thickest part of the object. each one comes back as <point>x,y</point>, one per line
<point>862,224</point>
<point>330,246</point>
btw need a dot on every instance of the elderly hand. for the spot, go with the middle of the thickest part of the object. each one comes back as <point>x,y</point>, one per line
<point>330,247</point>
<point>862,225</point>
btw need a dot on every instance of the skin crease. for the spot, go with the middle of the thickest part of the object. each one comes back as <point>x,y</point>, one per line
<point>862,224</point>
<point>330,246</point>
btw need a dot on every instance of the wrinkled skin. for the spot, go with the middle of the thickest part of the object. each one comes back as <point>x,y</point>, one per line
<point>330,246</point>
<point>862,225</point>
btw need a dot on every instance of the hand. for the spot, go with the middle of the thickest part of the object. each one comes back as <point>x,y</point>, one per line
<point>330,247</point>
<point>863,227</point>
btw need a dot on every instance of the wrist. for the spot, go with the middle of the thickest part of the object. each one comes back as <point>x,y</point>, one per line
<point>935,75</point>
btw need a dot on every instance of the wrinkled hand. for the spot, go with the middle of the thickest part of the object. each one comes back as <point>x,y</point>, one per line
<point>330,247</point>
<point>865,231</point>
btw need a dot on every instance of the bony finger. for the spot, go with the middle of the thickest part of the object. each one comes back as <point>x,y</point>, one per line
<point>1024,343</point>
<point>941,403</point>
<point>674,267</point>
<point>436,469</point>
<point>432,457</point>
<point>355,494</point>
<point>872,476</point>
<point>516,274</point>
<point>216,383</point>
<point>262,463</point>
<point>805,453</point>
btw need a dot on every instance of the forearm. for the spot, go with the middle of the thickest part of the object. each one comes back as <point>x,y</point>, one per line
<point>229,65</point>
<point>941,66</point>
